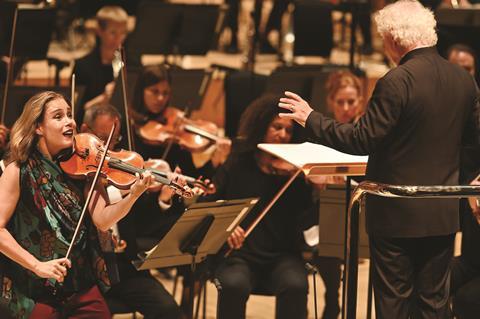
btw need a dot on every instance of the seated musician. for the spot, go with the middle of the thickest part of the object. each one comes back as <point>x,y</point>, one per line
<point>269,258</point>
<point>151,99</point>
<point>465,277</point>
<point>345,103</point>
<point>139,290</point>
<point>95,71</point>
<point>464,56</point>
<point>40,207</point>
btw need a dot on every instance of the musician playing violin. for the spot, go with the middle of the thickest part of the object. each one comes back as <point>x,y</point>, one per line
<point>96,71</point>
<point>269,259</point>
<point>155,208</point>
<point>151,102</point>
<point>39,209</point>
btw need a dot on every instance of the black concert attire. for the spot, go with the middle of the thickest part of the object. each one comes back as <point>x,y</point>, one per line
<point>414,125</point>
<point>466,270</point>
<point>146,224</point>
<point>139,289</point>
<point>93,75</point>
<point>465,282</point>
<point>269,260</point>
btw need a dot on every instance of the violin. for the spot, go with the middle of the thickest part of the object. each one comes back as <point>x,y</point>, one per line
<point>162,167</point>
<point>192,135</point>
<point>119,168</point>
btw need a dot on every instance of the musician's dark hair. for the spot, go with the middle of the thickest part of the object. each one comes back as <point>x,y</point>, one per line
<point>149,76</point>
<point>256,119</point>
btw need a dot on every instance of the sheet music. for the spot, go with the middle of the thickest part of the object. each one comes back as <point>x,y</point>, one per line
<point>310,153</point>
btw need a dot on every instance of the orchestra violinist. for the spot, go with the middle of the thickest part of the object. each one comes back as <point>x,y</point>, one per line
<point>269,258</point>
<point>39,214</point>
<point>150,107</point>
<point>139,290</point>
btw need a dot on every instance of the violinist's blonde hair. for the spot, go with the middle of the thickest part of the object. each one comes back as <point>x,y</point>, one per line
<point>111,13</point>
<point>23,137</point>
<point>339,80</point>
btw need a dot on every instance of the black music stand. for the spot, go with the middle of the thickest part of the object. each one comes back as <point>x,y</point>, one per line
<point>174,29</point>
<point>31,20</point>
<point>19,95</point>
<point>312,22</point>
<point>201,231</point>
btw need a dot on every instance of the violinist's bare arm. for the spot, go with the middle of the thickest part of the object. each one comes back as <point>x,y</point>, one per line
<point>9,196</point>
<point>105,216</point>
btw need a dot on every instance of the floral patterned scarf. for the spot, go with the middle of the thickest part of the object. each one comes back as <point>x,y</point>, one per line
<point>43,223</point>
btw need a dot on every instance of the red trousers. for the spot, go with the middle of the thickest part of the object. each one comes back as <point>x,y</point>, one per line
<point>87,305</point>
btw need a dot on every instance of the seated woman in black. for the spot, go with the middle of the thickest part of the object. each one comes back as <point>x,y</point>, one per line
<point>269,258</point>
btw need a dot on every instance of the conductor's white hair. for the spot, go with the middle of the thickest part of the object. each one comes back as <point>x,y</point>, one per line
<point>408,22</point>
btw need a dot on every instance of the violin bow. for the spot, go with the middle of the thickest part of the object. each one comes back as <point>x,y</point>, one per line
<point>267,208</point>
<point>186,111</point>
<point>90,191</point>
<point>10,65</point>
<point>123,80</point>
<point>53,283</point>
<point>176,128</point>
<point>72,95</point>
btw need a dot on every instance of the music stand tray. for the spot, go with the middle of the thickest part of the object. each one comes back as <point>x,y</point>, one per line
<point>201,231</point>
<point>318,160</point>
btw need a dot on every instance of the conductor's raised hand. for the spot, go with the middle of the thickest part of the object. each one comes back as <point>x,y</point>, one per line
<point>299,108</point>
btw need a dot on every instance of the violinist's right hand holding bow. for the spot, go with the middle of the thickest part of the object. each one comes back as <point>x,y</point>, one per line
<point>236,238</point>
<point>52,269</point>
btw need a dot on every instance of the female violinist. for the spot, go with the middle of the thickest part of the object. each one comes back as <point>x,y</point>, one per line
<point>151,102</point>
<point>39,210</point>
<point>155,210</point>
<point>269,258</point>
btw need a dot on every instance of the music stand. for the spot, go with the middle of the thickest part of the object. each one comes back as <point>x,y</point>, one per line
<point>180,29</point>
<point>319,160</point>
<point>19,95</point>
<point>202,230</point>
<point>30,21</point>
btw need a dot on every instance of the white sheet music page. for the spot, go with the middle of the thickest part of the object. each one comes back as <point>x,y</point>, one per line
<point>307,153</point>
